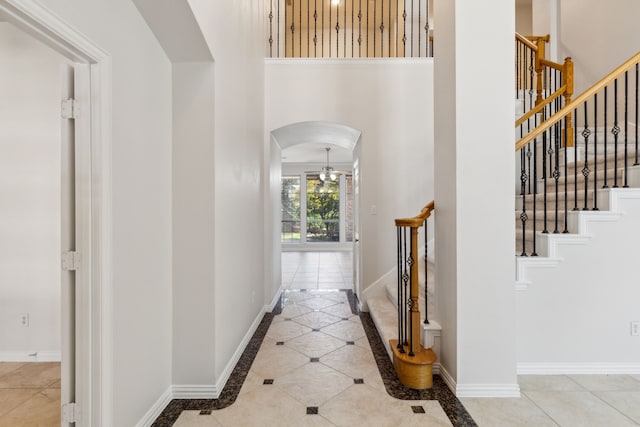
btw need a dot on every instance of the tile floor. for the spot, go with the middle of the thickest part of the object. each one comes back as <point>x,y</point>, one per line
<point>317,270</point>
<point>315,367</point>
<point>567,401</point>
<point>29,394</point>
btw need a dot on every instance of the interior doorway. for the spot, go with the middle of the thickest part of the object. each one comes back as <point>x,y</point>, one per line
<point>86,388</point>
<point>314,229</point>
<point>37,189</point>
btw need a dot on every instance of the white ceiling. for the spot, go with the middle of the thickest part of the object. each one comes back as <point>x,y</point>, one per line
<point>316,153</point>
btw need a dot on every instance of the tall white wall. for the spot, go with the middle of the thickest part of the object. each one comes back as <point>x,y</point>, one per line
<point>234,31</point>
<point>141,192</point>
<point>391,103</point>
<point>30,194</point>
<point>598,36</point>
<point>474,226</point>
<point>193,223</point>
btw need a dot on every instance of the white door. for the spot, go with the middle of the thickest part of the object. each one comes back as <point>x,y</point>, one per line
<point>356,221</point>
<point>68,242</point>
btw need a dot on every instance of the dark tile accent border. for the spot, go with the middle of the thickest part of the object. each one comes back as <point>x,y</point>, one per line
<point>418,410</point>
<point>268,381</point>
<point>312,410</point>
<point>454,409</point>
<point>358,381</point>
<point>230,391</point>
<point>314,359</point>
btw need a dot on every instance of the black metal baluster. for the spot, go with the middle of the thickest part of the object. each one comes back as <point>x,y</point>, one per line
<point>626,129</point>
<point>531,73</point>
<point>352,29</point>
<point>637,124</point>
<point>397,34</point>
<point>419,25</point>
<point>323,31</point>
<point>523,214</point>
<point>308,27</point>
<point>338,30</point>
<point>615,131</point>
<point>544,177</point>
<point>375,10</point>
<point>426,30</point>
<point>595,153</point>
<point>404,28</point>
<point>426,274</point>
<point>300,35</point>
<point>585,170</point>
<point>344,40</point>
<point>271,29</point>
<point>575,162</point>
<point>382,30</point>
<point>412,260</point>
<point>556,174</point>
<point>535,189</point>
<point>315,28</point>
<point>566,177</point>
<point>606,166</point>
<point>330,27</point>
<point>400,270</point>
<point>360,29</point>
<point>367,30</point>
<point>278,47</point>
<point>406,278</point>
<point>529,155</point>
<point>389,31</point>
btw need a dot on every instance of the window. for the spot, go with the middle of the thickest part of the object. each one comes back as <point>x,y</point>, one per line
<point>318,212</point>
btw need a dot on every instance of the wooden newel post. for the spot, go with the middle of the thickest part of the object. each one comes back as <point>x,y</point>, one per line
<point>415,290</point>
<point>539,69</point>
<point>567,80</point>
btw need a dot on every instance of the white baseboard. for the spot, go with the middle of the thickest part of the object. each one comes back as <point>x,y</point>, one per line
<point>487,390</point>
<point>448,379</point>
<point>157,408</point>
<point>478,390</point>
<point>30,356</point>
<point>195,391</point>
<point>269,308</point>
<point>579,368</point>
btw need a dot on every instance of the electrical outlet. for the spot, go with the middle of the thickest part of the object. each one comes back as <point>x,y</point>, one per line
<point>23,319</point>
<point>635,329</point>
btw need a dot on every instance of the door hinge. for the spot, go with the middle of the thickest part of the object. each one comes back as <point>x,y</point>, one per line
<point>70,412</point>
<point>70,109</point>
<point>70,261</point>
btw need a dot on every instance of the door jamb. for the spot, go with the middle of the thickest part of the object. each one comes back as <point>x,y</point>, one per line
<point>95,343</point>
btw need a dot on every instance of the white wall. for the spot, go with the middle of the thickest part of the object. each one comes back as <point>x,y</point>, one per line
<point>391,103</point>
<point>234,31</point>
<point>193,223</point>
<point>141,163</point>
<point>599,36</point>
<point>30,194</point>
<point>577,315</point>
<point>474,196</point>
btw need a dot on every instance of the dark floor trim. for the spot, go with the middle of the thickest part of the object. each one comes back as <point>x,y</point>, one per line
<point>452,406</point>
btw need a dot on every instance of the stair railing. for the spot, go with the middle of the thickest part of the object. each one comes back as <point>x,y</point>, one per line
<point>563,178</point>
<point>408,284</point>
<point>551,82</point>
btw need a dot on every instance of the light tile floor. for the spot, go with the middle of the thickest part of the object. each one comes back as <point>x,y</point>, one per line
<point>317,270</point>
<point>315,368</point>
<point>29,394</point>
<point>567,401</point>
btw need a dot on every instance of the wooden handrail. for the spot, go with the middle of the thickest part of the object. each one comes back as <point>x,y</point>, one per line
<point>538,108</point>
<point>525,40</point>
<point>419,219</point>
<point>568,109</point>
<point>551,64</point>
<point>534,39</point>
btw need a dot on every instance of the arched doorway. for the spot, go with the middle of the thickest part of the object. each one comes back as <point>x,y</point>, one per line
<point>307,137</point>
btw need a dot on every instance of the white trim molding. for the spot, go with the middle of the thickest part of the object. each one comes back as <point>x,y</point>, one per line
<point>487,390</point>
<point>94,371</point>
<point>30,356</point>
<point>579,368</point>
<point>196,391</point>
<point>157,408</point>
<point>269,307</point>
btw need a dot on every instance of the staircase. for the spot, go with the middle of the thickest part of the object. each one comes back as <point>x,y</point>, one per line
<point>383,309</point>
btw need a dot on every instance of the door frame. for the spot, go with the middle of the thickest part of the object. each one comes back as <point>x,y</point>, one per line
<point>94,357</point>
